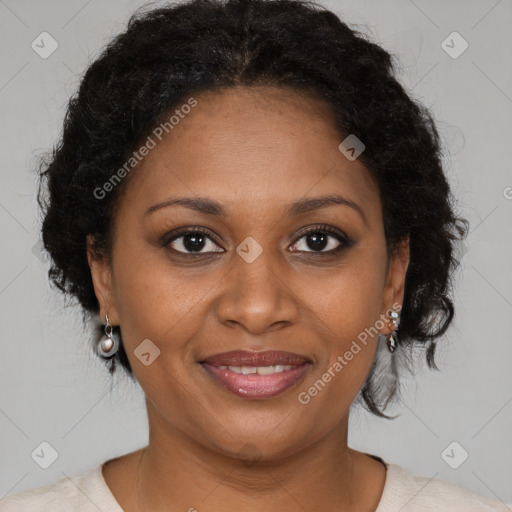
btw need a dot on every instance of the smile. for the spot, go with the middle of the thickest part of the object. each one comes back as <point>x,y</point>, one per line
<point>257,381</point>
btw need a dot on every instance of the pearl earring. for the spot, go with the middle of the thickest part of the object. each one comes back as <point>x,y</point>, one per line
<point>109,345</point>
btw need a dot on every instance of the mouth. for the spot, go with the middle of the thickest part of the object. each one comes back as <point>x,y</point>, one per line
<point>256,375</point>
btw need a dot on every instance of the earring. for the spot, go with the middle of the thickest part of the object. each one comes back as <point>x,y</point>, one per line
<point>391,343</point>
<point>109,345</point>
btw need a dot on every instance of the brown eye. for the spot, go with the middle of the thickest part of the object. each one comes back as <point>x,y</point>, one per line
<point>321,239</point>
<point>192,241</point>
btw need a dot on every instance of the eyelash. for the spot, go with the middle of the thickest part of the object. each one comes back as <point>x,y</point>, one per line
<point>345,242</point>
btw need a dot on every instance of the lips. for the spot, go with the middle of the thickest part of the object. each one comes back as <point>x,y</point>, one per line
<point>272,372</point>
<point>246,358</point>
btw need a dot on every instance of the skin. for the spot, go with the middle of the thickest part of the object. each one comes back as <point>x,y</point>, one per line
<point>254,150</point>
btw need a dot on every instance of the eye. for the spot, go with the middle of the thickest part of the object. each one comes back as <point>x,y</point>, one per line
<point>320,238</point>
<point>191,241</point>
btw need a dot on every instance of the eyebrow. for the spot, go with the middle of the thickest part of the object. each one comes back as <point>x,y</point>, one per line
<point>212,207</point>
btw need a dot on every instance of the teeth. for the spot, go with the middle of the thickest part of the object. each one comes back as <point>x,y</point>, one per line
<point>261,370</point>
<point>278,368</point>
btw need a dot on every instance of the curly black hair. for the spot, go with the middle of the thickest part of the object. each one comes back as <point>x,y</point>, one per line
<point>169,53</point>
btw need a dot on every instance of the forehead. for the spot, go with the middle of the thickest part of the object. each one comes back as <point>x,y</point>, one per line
<point>249,147</point>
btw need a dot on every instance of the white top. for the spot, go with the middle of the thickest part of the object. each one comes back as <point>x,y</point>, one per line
<point>403,492</point>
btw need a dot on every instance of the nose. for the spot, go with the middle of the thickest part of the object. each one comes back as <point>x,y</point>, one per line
<point>258,296</point>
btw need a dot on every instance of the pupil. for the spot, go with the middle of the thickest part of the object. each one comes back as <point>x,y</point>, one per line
<point>319,241</point>
<point>193,242</point>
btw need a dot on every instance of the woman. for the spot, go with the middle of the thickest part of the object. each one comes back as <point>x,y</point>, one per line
<point>258,214</point>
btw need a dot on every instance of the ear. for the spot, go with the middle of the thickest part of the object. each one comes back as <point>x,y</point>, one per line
<point>101,273</point>
<point>395,281</point>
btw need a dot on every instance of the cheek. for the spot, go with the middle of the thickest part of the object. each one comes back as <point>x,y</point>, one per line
<point>349,309</point>
<point>143,296</point>
<point>158,302</point>
<point>147,290</point>
<point>349,301</point>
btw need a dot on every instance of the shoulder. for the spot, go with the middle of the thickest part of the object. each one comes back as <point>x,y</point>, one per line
<point>407,492</point>
<point>86,492</point>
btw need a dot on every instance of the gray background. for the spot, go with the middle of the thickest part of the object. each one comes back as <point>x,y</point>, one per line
<point>54,390</point>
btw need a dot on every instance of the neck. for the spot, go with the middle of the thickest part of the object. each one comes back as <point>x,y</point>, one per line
<point>177,469</point>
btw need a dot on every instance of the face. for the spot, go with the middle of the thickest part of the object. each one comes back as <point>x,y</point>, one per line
<point>260,276</point>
